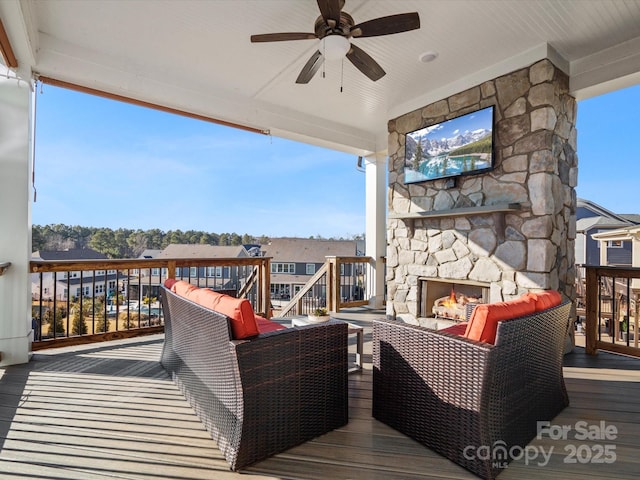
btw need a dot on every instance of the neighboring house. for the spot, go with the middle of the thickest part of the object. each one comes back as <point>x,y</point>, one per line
<point>622,236</point>
<point>224,278</point>
<point>592,219</point>
<point>295,260</point>
<point>70,285</point>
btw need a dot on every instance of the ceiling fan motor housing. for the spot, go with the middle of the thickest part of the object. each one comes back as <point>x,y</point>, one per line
<point>343,28</point>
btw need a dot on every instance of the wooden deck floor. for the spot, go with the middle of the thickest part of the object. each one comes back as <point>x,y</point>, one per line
<point>109,411</point>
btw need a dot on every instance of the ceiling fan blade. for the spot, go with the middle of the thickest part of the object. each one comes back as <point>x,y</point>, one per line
<point>330,9</point>
<point>310,68</point>
<point>402,22</point>
<point>282,37</point>
<point>363,62</point>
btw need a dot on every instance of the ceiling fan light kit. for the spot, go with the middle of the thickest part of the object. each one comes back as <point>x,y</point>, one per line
<point>334,47</point>
<point>334,28</point>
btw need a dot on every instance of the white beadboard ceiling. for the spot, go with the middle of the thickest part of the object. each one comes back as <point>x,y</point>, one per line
<point>195,55</point>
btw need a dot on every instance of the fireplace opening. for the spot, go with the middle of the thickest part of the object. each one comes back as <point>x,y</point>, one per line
<point>450,300</point>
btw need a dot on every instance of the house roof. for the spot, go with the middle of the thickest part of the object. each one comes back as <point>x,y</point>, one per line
<point>197,56</point>
<point>599,210</point>
<point>588,223</point>
<point>627,233</point>
<point>202,251</point>
<point>150,253</point>
<point>632,217</point>
<point>69,254</point>
<point>307,250</point>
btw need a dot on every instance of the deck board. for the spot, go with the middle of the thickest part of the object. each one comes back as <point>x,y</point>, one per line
<point>109,410</point>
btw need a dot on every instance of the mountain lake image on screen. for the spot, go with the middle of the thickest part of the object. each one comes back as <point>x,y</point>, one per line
<point>459,146</point>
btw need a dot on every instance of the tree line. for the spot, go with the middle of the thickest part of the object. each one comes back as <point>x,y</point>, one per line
<point>128,243</point>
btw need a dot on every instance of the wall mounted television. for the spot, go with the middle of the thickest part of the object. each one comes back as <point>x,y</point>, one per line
<point>460,146</point>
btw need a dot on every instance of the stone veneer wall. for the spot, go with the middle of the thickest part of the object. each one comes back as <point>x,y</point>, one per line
<point>535,165</point>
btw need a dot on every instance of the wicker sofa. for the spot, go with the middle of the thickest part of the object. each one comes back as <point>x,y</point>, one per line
<point>454,394</point>
<point>261,395</point>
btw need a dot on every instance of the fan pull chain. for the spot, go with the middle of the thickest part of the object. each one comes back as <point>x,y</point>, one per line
<point>341,74</point>
<point>323,62</point>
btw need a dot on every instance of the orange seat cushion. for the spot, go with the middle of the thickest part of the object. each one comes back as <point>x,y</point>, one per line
<point>546,299</point>
<point>265,325</point>
<point>238,310</point>
<point>483,323</point>
<point>457,329</point>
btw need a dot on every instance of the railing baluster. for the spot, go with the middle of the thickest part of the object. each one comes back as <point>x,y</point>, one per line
<point>97,279</point>
<point>602,290</point>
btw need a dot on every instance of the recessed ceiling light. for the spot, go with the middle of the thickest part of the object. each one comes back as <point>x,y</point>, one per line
<point>427,57</point>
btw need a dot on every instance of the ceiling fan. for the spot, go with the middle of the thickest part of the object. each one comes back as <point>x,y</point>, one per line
<point>334,28</point>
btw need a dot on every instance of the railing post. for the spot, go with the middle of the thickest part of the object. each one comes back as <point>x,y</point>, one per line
<point>591,311</point>
<point>265,287</point>
<point>171,269</point>
<point>333,303</point>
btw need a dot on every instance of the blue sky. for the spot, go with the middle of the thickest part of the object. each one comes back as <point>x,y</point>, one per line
<point>103,163</point>
<point>608,155</point>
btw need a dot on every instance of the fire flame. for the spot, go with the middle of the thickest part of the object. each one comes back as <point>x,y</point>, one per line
<point>451,301</point>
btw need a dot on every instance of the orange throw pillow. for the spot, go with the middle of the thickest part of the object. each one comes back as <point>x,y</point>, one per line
<point>545,299</point>
<point>169,282</point>
<point>239,310</point>
<point>183,288</point>
<point>483,323</point>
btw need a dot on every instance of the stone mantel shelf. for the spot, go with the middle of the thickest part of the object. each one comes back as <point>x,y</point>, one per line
<point>459,212</point>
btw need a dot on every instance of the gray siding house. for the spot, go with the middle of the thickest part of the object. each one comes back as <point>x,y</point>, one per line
<point>295,260</point>
<point>592,219</point>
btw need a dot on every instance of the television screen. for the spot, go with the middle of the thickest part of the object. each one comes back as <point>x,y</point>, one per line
<point>459,146</point>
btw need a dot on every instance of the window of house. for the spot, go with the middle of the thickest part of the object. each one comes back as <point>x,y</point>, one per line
<point>283,267</point>
<point>87,291</point>
<point>112,285</point>
<point>615,244</point>
<point>193,271</point>
<point>99,289</point>
<point>280,291</point>
<point>310,268</point>
<point>155,271</point>
<point>214,271</point>
<point>177,272</point>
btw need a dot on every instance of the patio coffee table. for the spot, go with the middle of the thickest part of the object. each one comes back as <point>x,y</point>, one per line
<point>352,329</point>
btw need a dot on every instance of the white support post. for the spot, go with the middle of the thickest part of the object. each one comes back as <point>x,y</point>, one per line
<point>376,224</point>
<point>15,217</point>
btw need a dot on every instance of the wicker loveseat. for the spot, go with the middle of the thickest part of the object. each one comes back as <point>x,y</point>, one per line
<point>454,394</point>
<point>261,395</point>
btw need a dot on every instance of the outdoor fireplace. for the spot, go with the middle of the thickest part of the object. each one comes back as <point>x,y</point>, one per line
<point>506,232</point>
<point>449,299</point>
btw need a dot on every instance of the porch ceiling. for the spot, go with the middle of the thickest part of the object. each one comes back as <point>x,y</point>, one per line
<point>196,56</point>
